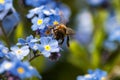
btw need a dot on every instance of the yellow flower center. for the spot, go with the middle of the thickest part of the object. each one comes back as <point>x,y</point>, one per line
<point>20,70</point>
<point>55,22</point>
<point>87,76</point>
<point>2,1</point>
<point>40,21</point>
<point>5,51</point>
<point>103,78</point>
<point>47,48</point>
<point>19,51</point>
<point>8,65</point>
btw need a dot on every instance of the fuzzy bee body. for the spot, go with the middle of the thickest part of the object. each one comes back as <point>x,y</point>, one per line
<point>60,31</point>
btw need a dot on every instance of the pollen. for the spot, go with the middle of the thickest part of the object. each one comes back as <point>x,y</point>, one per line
<point>2,1</point>
<point>47,48</point>
<point>55,22</point>
<point>20,70</point>
<point>40,21</point>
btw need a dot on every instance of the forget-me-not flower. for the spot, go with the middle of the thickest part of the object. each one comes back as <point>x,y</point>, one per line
<point>48,45</point>
<point>3,50</point>
<point>5,66</point>
<point>93,75</point>
<point>30,41</point>
<point>54,20</point>
<point>23,70</point>
<point>5,6</point>
<point>47,11</point>
<point>39,22</point>
<point>20,53</point>
<point>36,3</point>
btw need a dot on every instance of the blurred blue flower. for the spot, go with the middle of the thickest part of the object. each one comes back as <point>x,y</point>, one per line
<point>10,22</point>
<point>110,45</point>
<point>95,2</point>
<point>39,22</point>
<point>5,6</point>
<point>5,66</point>
<point>48,45</point>
<point>112,28</point>
<point>19,69</point>
<point>35,11</point>
<point>93,75</point>
<point>23,70</point>
<point>20,53</point>
<point>65,12</point>
<point>37,3</point>
<point>30,41</point>
<point>111,23</point>
<point>84,27</point>
<point>45,10</point>
<point>3,50</point>
<point>115,35</point>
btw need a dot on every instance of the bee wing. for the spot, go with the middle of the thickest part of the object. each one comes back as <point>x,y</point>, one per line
<point>70,31</point>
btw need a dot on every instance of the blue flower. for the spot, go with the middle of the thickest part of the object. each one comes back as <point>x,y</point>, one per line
<point>110,45</point>
<point>35,11</point>
<point>95,2</point>
<point>36,3</point>
<point>39,23</point>
<point>20,53</point>
<point>30,41</point>
<point>44,32</point>
<point>115,35</point>
<point>10,21</point>
<point>85,27</point>
<point>112,23</point>
<point>23,70</point>
<point>93,75</point>
<point>5,66</point>
<point>48,45</point>
<point>45,10</point>
<point>112,28</point>
<point>3,51</point>
<point>65,12</point>
<point>54,20</point>
<point>5,4</point>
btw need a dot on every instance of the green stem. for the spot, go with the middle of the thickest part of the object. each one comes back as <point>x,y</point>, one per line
<point>35,56</point>
<point>5,35</point>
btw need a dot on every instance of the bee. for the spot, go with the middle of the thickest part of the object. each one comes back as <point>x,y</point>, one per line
<point>60,31</point>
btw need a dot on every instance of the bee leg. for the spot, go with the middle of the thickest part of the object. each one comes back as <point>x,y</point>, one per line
<point>61,42</point>
<point>68,39</point>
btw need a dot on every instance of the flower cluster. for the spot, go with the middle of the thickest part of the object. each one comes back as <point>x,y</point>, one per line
<point>46,45</point>
<point>10,64</point>
<point>44,18</point>
<point>94,75</point>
